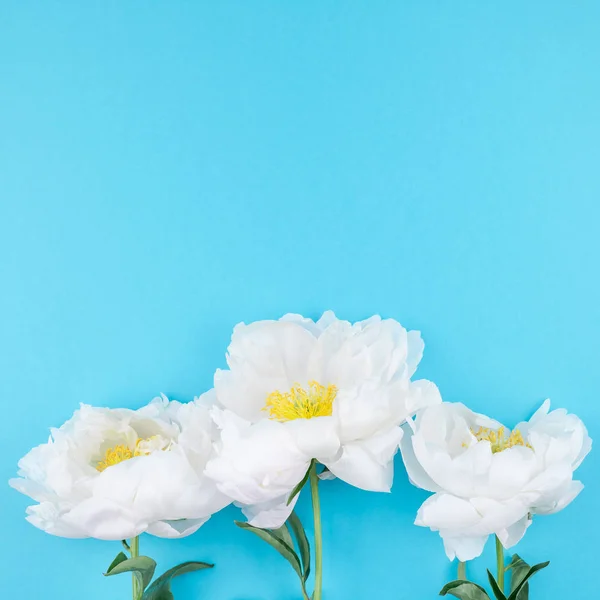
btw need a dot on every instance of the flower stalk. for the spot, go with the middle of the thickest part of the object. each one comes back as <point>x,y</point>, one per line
<point>462,570</point>
<point>134,548</point>
<point>500,564</point>
<point>316,502</point>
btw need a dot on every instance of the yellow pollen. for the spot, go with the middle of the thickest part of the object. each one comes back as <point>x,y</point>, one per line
<point>499,440</point>
<point>120,453</point>
<point>300,403</point>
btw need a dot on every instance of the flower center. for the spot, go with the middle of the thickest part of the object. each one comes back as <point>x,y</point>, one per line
<point>499,440</point>
<point>300,403</point>
<point>121,452</point>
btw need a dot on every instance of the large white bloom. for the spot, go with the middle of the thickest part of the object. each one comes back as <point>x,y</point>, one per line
<point>488,479</point>
<point>115,473</point>
<point>297,390</point>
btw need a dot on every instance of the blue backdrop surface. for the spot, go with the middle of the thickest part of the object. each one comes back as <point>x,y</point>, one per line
<point>168,169</point>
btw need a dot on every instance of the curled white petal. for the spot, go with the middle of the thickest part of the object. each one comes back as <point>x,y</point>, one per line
<point>368,464</point>
<point>271,514</point>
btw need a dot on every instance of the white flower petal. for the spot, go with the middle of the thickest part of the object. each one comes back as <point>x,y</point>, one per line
<point>559,499</point>
<point>255,462</point>
<point>363,412</point>
<point>48,517</point>
<point>510,472</point>
<point>416,473</point>
<point>175,529</point>
<point>105,520</point>
<point>369,464</point>
<point>447,512</point>
<point>463,547</point>
<point>421,394</point>
<point>271,514</point>
<point>263,357</point>
<point>513,534</point>
<point>315,438</point>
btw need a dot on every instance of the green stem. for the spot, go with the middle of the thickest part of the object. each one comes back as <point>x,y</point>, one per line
<point>500,564</point>
<point>462,570</point>
<point>134,546</point>
<point>314,490</point>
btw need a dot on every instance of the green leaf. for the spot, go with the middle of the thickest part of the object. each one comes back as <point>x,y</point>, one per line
<point>516,563</point>
<point>519,569</point>
<point>284,535</point>
<point>141,566</point>
<point>464,590</point>
<point>496,588</point>
<point>161,588</point>
<point>297,489</point>
<point>276,542</point>
<point>295,525</point>
<point>163,594</point>
<point>532,571</point>
<point>119,558</point>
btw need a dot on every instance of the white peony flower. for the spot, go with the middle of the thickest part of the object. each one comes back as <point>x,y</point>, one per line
<point>297,390</point>
<point>112,474</point>
<point>488,479</point>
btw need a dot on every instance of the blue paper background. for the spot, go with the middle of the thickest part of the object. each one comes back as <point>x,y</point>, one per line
<point>168,169</point>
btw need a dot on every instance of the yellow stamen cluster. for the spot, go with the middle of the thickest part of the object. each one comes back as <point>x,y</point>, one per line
<point>119,453</point>
<point>300,403</point>
<point>499,440</point>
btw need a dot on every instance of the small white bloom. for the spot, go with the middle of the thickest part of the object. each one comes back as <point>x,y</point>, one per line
<point>488,479</point>
<point>112,474</point>
<point>297,390</point>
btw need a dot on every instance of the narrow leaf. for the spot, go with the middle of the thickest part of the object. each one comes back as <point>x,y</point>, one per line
<point>496,588</point>
<point>296,526</point>
<point>464,590</point>
<point>119,558</point>
<point>161,588</point>
<point>162,594</point>
<point>284,549</point>
<point>298,487</point>
<point>519,569</point>
<point>515,593</point>
<point>141,565</point>
<point>284,535</point>
<point>516,562</point>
